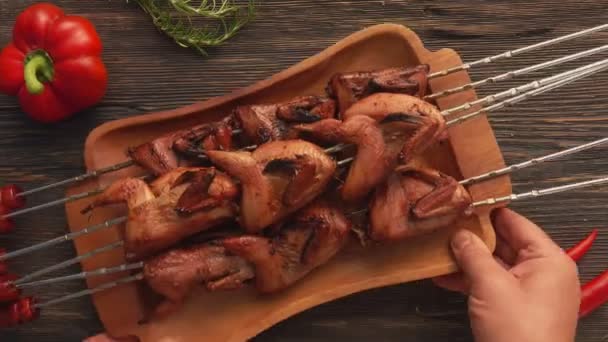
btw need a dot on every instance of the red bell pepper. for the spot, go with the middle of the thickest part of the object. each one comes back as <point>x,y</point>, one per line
<point>581,248</point>
<point>53,63</point>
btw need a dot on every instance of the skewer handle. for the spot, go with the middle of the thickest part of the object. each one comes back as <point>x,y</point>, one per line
<point>525,88</point>
<point>66,237</point>
<point>79,178</point>
<point>525,96</point>
<point>512,74</point>
<point>533,162</point>
<point>541,192</point>
<point>509,54</point>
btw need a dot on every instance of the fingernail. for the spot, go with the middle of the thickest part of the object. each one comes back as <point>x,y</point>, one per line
<point>461,239</point>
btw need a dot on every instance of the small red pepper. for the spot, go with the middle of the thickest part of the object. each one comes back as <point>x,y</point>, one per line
<point>594,294</point>
<point>8,291</point>
<point>9,197</point>
<point>6,224</point>
<point>18,312</point>
<point>581,248</point>
<point>53,63</point>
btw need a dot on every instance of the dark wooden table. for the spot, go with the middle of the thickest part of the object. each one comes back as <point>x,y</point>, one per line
<point>148,72</point>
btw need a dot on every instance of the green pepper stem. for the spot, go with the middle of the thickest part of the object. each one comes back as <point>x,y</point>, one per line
<point>38,69</point>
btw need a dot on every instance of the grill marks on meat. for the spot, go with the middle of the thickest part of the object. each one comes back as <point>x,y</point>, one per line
<point>348,88</point>
<point>184,202</point>
<point>427,124</point>
<point>307,241</point>
<point>277,179</point>
<point>170,151</point>
<point>263,123</point>
<point>176,273</point>
<point>379,145</point>
<point>415,202</point>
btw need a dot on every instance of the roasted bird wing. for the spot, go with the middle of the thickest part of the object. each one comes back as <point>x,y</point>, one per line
<point>176,149</point>
<point>269,122</point>
<point>277,179</point>
<point>379,145</point>
<point>414,202</point>
<point>348,88</point>
<point>181,203</point>
<point>428,125</point>
<point>176,273</point>
<point>307,241</point>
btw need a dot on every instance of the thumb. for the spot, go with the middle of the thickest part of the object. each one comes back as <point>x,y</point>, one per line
<point>475,259</point>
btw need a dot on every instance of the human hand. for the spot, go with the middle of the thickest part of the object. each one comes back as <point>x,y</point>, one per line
<point>528,291</point>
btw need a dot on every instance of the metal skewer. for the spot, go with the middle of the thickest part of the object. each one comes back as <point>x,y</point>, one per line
<point>69,262</point>
<point>84,275</point>
<point>482,177</point>
<point>532,93</point>
<point>66,237</point>
<point>508,102</point>
<point>515,73</point>
<point>465,66</point>
<point>94,290</point>
<point>90,174</point>
<point>509,54</point>
<point>86,194</point>
<point>490,99</point>
<point>541,192</point>
<point>533,162</point>
<point>139,276</point>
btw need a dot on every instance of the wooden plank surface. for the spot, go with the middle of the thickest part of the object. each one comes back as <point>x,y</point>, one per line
<point>148,72</point>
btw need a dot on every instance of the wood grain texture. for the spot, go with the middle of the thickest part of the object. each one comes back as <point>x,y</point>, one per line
<point>149,73</point>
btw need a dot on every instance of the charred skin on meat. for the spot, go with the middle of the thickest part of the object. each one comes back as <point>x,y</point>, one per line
<point>181,203</point>
<point>308,240</point>
<point>414,202</point>
<point>277,179</point>
<point>350,87</point>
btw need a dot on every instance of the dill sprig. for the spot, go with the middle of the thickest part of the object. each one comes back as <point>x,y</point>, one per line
<point>181,20</point>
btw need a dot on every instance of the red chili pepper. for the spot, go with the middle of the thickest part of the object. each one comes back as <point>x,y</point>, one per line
<point>9,198</point>
<point>6,224</point>
<point>8,291</point>
<point>53,63</point>
<point>594,294</point>
<point>581,248</point>
<point>18,312</point>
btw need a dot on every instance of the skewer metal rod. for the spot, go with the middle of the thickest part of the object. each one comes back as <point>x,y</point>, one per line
<point>67,199</point>
<point>91,174</point>
<point>345,161</point>
<point>519,72</point>
<point>82,177</point>
<point>533,162</point>
<point>490,99</point>
<point>509,54</point>
<point>66,237</point>
<point>542,192</point>
<point>68,262</point>
<point>94,290</point>
<point>526,95</point>
<point>84,275</point>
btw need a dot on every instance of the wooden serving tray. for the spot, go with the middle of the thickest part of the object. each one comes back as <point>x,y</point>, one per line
<point>237,316</point>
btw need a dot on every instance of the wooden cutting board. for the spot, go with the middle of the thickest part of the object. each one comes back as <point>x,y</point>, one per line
<point>237,316</point>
